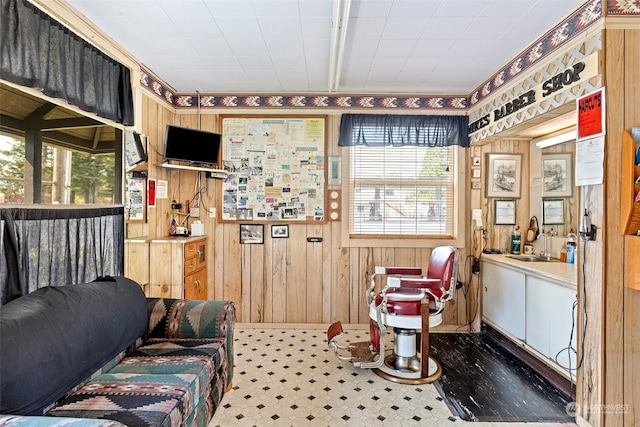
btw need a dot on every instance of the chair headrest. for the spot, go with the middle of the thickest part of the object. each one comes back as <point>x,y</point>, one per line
<point>442,264</point>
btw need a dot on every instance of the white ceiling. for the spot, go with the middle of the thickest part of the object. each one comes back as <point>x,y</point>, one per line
<point>429,47</point>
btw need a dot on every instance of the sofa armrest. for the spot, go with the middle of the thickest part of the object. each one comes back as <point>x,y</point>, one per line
<point>193,319</point>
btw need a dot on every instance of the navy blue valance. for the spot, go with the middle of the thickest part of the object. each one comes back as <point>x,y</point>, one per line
<point>377,130</point>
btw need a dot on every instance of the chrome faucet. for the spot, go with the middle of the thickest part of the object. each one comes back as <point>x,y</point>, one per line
<point>544,254</point>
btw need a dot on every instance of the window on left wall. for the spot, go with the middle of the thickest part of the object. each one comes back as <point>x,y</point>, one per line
<point>68,176</point>
<point>55,153</point>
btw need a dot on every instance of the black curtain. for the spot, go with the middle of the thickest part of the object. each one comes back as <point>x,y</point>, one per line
<point>48,246</point>
<point>377,130</point>
<point>39,52</point>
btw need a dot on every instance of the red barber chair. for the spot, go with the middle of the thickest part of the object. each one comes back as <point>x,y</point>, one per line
<point>410,304</point>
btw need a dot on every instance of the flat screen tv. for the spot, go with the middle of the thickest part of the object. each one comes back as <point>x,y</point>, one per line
<point>193,146</point>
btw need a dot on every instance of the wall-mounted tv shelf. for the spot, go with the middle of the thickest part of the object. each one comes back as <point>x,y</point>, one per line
<point>217,173</point>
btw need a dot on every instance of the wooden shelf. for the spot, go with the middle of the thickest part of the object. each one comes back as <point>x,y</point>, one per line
<point>629,209</point>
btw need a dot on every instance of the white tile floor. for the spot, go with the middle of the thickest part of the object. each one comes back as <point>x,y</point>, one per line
<point>288,377</point>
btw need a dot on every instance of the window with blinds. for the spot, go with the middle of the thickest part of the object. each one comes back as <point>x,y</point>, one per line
<point>402,191</point>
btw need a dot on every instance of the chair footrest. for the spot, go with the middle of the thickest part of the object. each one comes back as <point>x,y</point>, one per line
<point>361,352</point>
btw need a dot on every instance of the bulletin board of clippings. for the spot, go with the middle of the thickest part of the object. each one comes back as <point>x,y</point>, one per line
<point>275,168</point>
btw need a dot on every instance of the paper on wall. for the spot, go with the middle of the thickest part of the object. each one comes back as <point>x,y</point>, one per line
<point>590,161</point>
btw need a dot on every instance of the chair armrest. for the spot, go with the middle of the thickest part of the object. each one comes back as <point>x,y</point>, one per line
<point>422,283</point>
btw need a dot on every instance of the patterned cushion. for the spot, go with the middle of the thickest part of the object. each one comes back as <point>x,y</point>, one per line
<point>193,319</point>
<point>133,399</point>
<point>164,383</point>
<point>23,421</point>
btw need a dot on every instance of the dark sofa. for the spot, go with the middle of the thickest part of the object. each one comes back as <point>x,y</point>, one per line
<point>103,351</point>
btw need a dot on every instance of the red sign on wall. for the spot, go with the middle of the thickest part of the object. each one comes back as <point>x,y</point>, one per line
<point>591,115</point>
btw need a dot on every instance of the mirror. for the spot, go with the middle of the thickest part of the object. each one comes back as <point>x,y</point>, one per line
<point>553,192</point>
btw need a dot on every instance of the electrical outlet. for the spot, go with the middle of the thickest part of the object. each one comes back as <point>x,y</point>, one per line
<point>194,212</point>
<point>212,212</point>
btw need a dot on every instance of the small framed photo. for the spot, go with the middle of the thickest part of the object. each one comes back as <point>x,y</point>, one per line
<point>279,231</point>
<point>476,185</point>
<point>251,234</point>
<point>476,173</point>
<point>476,161</point>
<point>552,211</point>
<point>505,212</point>
<point>556,175</point>
<point>503,175</point>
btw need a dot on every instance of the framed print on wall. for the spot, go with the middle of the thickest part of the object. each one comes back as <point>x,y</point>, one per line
<point>279,231</point>
<point>556,175</point>
<point>252,234</point>
<point>505,212</point>
<point>503,175</point>
<point>552,211</point>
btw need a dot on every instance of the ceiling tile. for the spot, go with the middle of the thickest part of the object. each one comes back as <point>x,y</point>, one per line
<point>409,46</point>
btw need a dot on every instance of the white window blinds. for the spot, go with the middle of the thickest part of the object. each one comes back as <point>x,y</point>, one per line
<point>402,191</point>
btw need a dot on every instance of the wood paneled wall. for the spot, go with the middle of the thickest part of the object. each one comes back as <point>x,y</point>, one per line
<point>284,280</point>
<point>615,361</point>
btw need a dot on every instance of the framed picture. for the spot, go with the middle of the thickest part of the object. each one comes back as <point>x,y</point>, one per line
<point>476,172</point>
<point>476,185</point>
<point>505,212</point>
<point>503,175</point>
<point>279,231</point>
<point>556,175</point>
<point>476,161</point>
<point>251,234</point>
<point>552,211</point>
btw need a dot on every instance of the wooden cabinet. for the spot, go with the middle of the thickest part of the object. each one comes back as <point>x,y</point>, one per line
<point>136,261</point>
<point>178,268</point>
<point>630,209</point>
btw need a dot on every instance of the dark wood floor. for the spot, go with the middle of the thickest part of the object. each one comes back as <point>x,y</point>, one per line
<point>484,381</point>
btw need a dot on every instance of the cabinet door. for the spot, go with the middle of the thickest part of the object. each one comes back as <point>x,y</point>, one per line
<point>537,330</point>
<point>136,261</point>
<point>561,301</point>
<point>195,285</point>
<point>503,300</point>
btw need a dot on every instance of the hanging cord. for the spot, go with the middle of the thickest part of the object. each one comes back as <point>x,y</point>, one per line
<point>569,349</point>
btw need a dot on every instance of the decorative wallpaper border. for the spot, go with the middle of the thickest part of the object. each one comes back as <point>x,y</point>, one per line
<point>554,39</point>
<point>623,7</point>
<point>309,101</point>
<point>557,37</point>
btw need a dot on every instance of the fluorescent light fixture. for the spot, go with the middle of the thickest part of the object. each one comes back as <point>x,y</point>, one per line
<point>339,24</point>
<point>548,141</point>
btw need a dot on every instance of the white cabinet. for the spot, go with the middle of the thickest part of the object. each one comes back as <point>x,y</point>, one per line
<point>537,317</point>
<point>561,322</point>
<point>503,300</point>
<point>533,310</point>
<point>550,320</point>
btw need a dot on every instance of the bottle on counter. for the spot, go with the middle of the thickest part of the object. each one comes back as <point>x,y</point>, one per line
<point>516,241</point>
<point>571,248</point>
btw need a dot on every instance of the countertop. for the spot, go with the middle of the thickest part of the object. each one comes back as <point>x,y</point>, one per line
<point>559,272</point>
